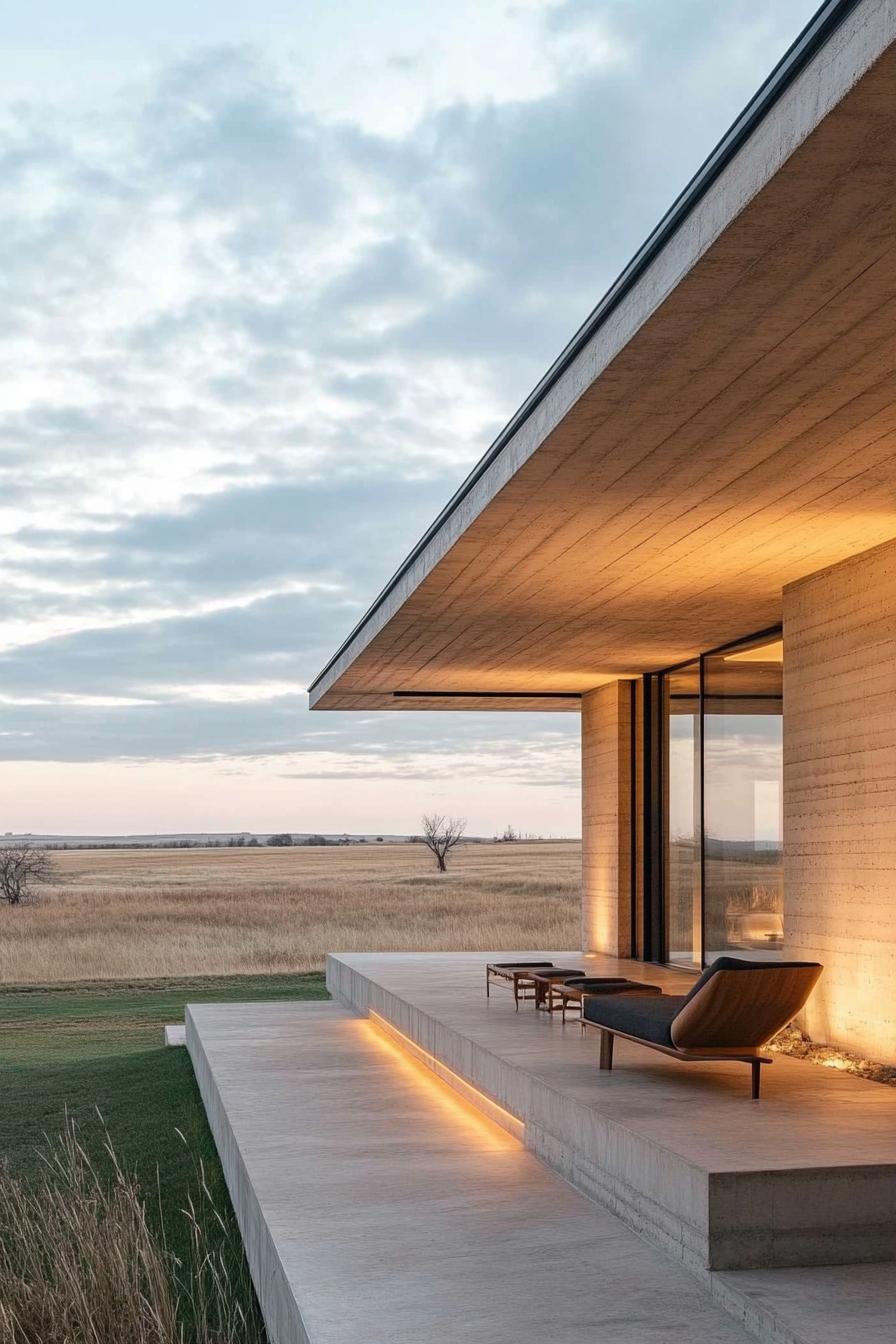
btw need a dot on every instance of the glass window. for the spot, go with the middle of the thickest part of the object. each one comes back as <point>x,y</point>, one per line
<point>742,765</point>
<point>683,811</point>
<point>723,858</point>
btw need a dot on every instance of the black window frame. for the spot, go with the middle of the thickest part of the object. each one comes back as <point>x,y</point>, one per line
<point>654,933</point>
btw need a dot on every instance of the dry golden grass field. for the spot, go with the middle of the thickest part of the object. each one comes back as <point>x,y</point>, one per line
<point>129,914</point>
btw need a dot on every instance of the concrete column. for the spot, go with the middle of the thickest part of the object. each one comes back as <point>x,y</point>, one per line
<point>840,796</point>
<point>607,819</point>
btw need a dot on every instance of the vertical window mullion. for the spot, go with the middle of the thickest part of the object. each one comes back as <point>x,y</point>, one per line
<point>702,757</point>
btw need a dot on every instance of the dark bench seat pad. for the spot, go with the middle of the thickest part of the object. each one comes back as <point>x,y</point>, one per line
<point>517,965</point>
<point>647,1016</point>
<point>597,982</point>
<point>571,972</point>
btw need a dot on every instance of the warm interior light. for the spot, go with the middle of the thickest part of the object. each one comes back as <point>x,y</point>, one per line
<point>763,653</point>
<point>487,1123</point>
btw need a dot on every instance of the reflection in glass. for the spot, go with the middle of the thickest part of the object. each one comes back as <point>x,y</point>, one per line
<point>683,814</point>
<point>742,765</point>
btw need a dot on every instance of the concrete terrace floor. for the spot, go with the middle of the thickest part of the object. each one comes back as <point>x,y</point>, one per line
<point>809,1116</point>
<point>377,1203</point>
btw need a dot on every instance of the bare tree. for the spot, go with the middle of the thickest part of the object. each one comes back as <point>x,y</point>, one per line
<point>441,834</point>
<point>22,868</point>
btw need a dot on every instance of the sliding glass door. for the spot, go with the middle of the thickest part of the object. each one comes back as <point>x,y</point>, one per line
<point>722,881</point>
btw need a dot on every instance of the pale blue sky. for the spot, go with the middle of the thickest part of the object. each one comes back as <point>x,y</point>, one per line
<point>273,277</point>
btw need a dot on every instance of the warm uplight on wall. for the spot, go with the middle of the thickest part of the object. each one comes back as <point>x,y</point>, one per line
<point>486,1123</point>
<point>792,1041</point>
<point>602,935</point>
<point>600,921</point>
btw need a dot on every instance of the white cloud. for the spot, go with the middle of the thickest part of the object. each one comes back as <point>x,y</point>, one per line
<point>75,701</point>
<point>273,280</point>
<point>229,693</point>
<point>25,631</point>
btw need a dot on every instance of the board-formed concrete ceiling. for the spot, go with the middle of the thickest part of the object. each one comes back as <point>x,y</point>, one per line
<point>730,428</point>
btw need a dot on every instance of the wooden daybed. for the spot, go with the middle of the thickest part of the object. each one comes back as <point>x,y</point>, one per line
<point>733,1010</point>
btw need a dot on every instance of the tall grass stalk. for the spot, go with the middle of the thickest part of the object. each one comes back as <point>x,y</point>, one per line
<point>81,1264</point>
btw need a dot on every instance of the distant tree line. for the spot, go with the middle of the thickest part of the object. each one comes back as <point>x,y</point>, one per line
<point>511,834</point>
<point>285,839</point>
<point>138,844</point>
<point>232,842</point>
<point>281,839</point>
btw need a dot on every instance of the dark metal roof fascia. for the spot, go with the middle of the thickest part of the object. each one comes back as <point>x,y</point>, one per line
<point>813,37</point>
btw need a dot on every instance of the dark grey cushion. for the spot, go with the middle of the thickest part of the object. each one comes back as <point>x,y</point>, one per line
<point>740,964</point>
<point>598,982</point>
<point>520,965</point>
<point>648,1016</point>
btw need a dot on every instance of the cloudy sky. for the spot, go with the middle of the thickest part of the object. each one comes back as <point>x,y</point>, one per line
<point>273,277</point>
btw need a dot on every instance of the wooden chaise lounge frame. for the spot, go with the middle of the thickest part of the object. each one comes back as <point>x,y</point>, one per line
<point>729,1015</point>
<point>516,975</point>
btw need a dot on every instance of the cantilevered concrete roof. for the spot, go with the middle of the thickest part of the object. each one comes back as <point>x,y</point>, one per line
<point>723,424</point>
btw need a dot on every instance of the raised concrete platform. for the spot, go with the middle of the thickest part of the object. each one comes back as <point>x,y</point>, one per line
<point>807,1176</point>
<point>377,1205</point>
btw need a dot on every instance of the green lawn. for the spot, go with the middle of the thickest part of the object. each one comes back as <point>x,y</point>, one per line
<point>77,1048</point>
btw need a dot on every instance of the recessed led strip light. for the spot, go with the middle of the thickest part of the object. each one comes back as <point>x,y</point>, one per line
<point>483,1103</point>
<point>486,695</point>
<point>765,653</point>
